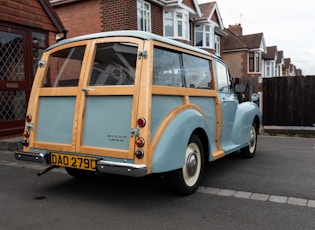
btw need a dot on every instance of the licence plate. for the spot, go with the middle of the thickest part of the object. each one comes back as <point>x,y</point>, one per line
<point>73,161</point>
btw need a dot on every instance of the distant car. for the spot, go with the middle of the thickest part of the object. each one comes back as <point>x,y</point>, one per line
<point>134,103</point>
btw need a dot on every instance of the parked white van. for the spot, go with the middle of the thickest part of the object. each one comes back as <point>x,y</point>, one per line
<point>134,103</point>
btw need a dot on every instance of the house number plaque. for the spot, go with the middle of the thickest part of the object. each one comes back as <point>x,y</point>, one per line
<point>12,85</point>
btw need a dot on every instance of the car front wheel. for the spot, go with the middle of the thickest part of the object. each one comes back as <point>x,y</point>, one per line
<point>249,151</point>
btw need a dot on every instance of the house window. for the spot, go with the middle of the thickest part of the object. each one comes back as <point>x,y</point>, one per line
<point>217,44</point>
<point>176,24</point>
<point>267,69</point>
<point>273,69</point>
<point>144,15</point>
<point>205,36</point>
<point>254,61</point>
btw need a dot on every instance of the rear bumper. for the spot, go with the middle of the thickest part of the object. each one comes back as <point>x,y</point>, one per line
<point>102,166</point>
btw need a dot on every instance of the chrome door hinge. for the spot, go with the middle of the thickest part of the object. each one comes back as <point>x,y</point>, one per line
<point>41,64</point>
<point>143,53</point>
<point>134,132</point>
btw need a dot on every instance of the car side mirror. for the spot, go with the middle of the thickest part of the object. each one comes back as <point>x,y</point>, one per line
<point>255,97</point>
<point>240,88</point>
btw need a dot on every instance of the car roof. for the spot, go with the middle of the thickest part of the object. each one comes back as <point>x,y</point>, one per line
<point>131,33</point>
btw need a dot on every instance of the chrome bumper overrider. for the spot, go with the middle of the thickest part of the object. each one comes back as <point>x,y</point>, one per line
<point>29,156</point>
<point>126,169</point>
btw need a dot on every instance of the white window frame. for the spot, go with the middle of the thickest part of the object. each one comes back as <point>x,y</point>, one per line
<point>268,72</point>
<point>144,8</point>
<point>208,36</point>
<point>175,23</point>
<point>217,45</point>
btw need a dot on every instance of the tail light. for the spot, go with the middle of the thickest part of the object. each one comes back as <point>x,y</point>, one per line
<point>140,142</point>
<point>26,143</point>
<point>26,134</point>
<point>139,153</point>
<point>141,122</point>
<point>28,118</point>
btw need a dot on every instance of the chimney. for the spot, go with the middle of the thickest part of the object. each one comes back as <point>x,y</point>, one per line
<point>236,29</point>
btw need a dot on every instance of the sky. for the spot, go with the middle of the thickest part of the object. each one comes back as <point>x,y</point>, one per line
<point>289,25</point>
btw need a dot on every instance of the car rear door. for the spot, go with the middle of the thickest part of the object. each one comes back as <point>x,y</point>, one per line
<point>109,99</point>
<point>89,98</point>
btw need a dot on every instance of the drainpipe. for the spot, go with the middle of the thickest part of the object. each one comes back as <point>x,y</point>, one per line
<point>64,36</point>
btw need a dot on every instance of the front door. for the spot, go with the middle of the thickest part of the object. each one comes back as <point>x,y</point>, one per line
<point>229,102</point>
<point>14,79</point>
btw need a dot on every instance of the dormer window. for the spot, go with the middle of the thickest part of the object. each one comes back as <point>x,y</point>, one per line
<point>176,24</point>
<point>206,38</point>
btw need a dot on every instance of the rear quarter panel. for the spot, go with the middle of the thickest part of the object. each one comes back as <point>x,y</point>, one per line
<point>170,149</point>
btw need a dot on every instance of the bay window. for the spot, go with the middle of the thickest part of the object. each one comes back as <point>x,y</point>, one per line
<point>176,24</point>
<point>204,36</point>
<point>254,62</point>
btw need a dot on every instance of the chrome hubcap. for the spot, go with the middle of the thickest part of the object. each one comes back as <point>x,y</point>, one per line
<point>252,139</point>
<point>191,164</point>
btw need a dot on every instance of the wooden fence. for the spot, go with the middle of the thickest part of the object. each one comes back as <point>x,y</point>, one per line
<point>289,101</point>
<point>286,101</point>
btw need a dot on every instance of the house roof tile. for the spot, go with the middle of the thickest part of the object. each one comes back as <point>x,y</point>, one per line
<point>271,53</point>
<point>234,42</point>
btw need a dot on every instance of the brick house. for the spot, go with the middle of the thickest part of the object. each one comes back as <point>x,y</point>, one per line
<point>249,57</point>
<point>272,62</point>
<point>288,68</point>
<point>104,15</point>
<point>243,53</point>
<point>26,29</point>
<point>209,29</point>
<point>176,19</point>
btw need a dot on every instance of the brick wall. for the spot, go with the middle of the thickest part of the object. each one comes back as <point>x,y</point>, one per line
<point>119,15</point>
<point>157,19</point>
<point>81,17</point>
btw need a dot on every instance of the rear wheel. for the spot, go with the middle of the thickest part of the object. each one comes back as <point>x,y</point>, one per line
<point>186,180</point>
<point>249,151</point>
<point>79,173</point>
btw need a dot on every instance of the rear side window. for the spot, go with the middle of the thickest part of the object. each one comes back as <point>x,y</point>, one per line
<point>197,72</point>
<point>64,67</point>
<point>167,68</point>
<point>114,64</point>
<point>171,68</point>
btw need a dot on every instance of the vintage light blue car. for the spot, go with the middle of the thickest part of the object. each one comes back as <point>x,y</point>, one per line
<point>134,103</point>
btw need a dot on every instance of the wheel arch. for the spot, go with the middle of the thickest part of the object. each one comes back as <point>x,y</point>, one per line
<point>169,152</point>
<point>257,122</point>
<point>204,140</point>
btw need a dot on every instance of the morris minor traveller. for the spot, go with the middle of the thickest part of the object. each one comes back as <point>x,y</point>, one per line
<point>134,103</point>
